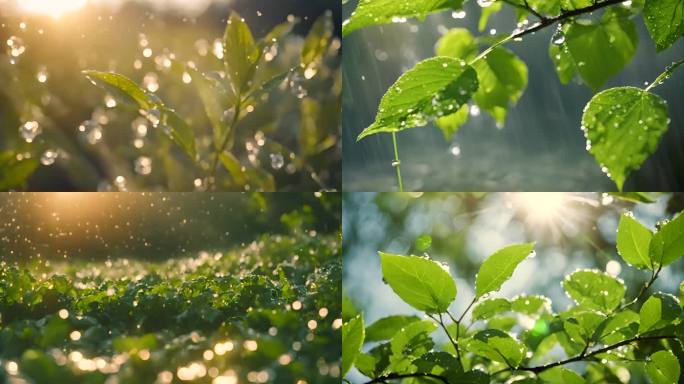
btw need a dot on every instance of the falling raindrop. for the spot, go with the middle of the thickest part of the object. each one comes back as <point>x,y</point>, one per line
<point>16,46</point>
<point>49,157</point>
<point>277,161</point>
<point>30,130</point>
<point>143,165</point>
<point>151,82</point>
<point>458,14</point>
<point>42,75</point>
<point>91,131</point>
<point>455,150</point>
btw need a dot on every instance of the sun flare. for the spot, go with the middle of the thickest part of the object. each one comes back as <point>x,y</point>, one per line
<point>53,8</point>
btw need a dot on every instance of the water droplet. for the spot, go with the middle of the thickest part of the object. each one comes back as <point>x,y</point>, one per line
<point>91,131</point>
<point>277,161</point>
<point>49,157</point>
<point>458,14</point>
<point>30,130</point>
<point>151,82</point>
<point>558,37</point>
<point>143,165</point>
<point>16,46</point>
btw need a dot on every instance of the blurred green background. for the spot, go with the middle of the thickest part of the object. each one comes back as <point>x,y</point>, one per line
<point>541,146</point>
<point>46,85</point>
<point>59,226</point>
<point>571,231</point>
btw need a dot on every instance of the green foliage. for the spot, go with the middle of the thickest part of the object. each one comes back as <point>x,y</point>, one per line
<point>510,340</point>
<point>668,242</point>
<point>374,12</point>
<point>420,282</point>
<point>352,340</point>
<point>623,125</point>
<point>15,169</point>
<point>499,267</point>
<point>433,88</point>
<point>270,306</point>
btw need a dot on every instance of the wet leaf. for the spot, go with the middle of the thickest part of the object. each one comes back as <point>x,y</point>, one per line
<point>668,242</point>
<point>420,282</point>
<point>594,289</point>
<point>387,327</point>
<point>433,88</point>
<point>240,52</point>
<point>633,241</point>
<point>14,173</point>
<point>490,308</point>
<point>664,20</point>
<point>497,346</point>
<point>658,311</point>
<point>317,41</point>
<point>663,368</point>
<point>499,267</point>
<point>623,127</point>
<point>352,340</point>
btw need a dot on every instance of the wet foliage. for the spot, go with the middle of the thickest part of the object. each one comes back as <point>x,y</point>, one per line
<point>254,108</point>
<point>610,332</point>
<point>265,312</point>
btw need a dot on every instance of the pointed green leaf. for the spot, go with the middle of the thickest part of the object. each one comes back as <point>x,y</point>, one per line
<point>502,78</point>
<point>317,41</point>
<point>216,101</point>
<point>664,20</point>
<point>668,242</point>
<point>450,124</point>
<point>13,172</point>
<point>179,131</point>
<point>623,127</point>
<point>490,308</point>
<point>633,241</point>
<point>663,368</point>
<point>352,340</point>
<point>531,305</point>
<point>240,52</point>
<point>435,87</point>
<point>621,326</point>
<point>123,87</point>
<point>499,267</point>
<point>422,283</point>
<point>658,311</point>
<point>387,327</point>
<point>598,50</point>
<point>375,12</point>
<point>594,289</point>
<point>560,375</point>
<point>497,345</point>
<point>457,43</point>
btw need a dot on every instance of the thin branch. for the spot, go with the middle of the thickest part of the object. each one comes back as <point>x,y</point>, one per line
<point>587,356</point>
<point>395,376</point>
<point>668,71</point>
<point>525,7</point>
<point>547,22</point>
<point>458,334</point>
<point>644,288</point>
<point>453,342</point>
<point>467,309</point>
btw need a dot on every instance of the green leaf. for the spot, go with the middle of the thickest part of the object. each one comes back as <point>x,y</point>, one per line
<point>633,241</point>
<point>596,51</point>
<point>240,53</point>
<point>352,340</point>
<point>422,283</point>
<point>594,289</point>
<point>457,43</point>
<point>216,101</point>
<point>658,311</point>
<point>668,242</point>
<point>127,344</point>
<point>664,20</point>
<point>663,368</point>
<point>423,243</point>
<point>490,307</point>
<point>635,197</point>
<point>375,12</point>
<point>580,323</point>
<point>450,124</point>
<point>387,327</point>
<point>623,127</point>
<point>499,267</point>
<point>560,375</point>
<point>411,342</point>
<point>497,345</point>
<point>575,4</point>
<point>435,87</point>
<point>486,13</point>
<point>123,87</point>
<point>317,41</point>
<point>621,326</point>
<point>531,305</point>
<point>179,131</point>
<point>502,79</point>
<point>15,173</point>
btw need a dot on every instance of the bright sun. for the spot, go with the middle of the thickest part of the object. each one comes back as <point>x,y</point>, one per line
<point>54,8</point>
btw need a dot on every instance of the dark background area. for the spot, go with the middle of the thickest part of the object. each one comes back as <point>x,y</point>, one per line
<point>44,226</point>
<point>541,146</point>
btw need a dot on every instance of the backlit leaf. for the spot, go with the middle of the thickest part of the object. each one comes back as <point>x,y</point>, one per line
<point>422,283</point>
<point>633,241</point>
<point>663,368</point>
<point>658,311</point>
<point>352,340</point>
<point>594,289</point>
<point>497,346</point>
<point>664,20</point>
<point>499,267</point>
<point>387,327</point>
<point>668,242</point>
<point>240,52</point>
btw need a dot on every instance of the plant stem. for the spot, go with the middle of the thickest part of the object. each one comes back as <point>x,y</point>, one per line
<point>661,78</point>
<point>453,342</point>
<point>587,356</point>
<point>222,147</point>
<point>467,309</point>
<point>395,376</point>
<point>644,288</point>
<point>545,22</point>
<point>397,163</point>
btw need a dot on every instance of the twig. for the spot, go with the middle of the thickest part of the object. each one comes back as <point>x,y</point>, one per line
<point>644,288</point>
<point>525,7</point>
<point>395,376</point>
<point>451,339</point>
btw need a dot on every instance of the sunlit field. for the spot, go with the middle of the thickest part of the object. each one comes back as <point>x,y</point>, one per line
<point>117,95</point>
<point>170,288</point>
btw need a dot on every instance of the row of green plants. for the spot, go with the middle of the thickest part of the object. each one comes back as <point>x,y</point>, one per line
<point>615,337</point>
<point>622,125</point>
<point>268,311</point>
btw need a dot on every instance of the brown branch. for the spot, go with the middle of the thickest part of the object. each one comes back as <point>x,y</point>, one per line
<point>396,376</point>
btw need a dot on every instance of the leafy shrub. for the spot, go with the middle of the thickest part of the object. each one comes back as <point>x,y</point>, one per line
<point>604,329</point>
<point>238,113</point>
<point>622,125</point>
<point>266,312</point>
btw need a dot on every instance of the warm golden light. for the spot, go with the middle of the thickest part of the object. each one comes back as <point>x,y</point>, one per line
<point>53,8</point>
<point>554,213</point>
